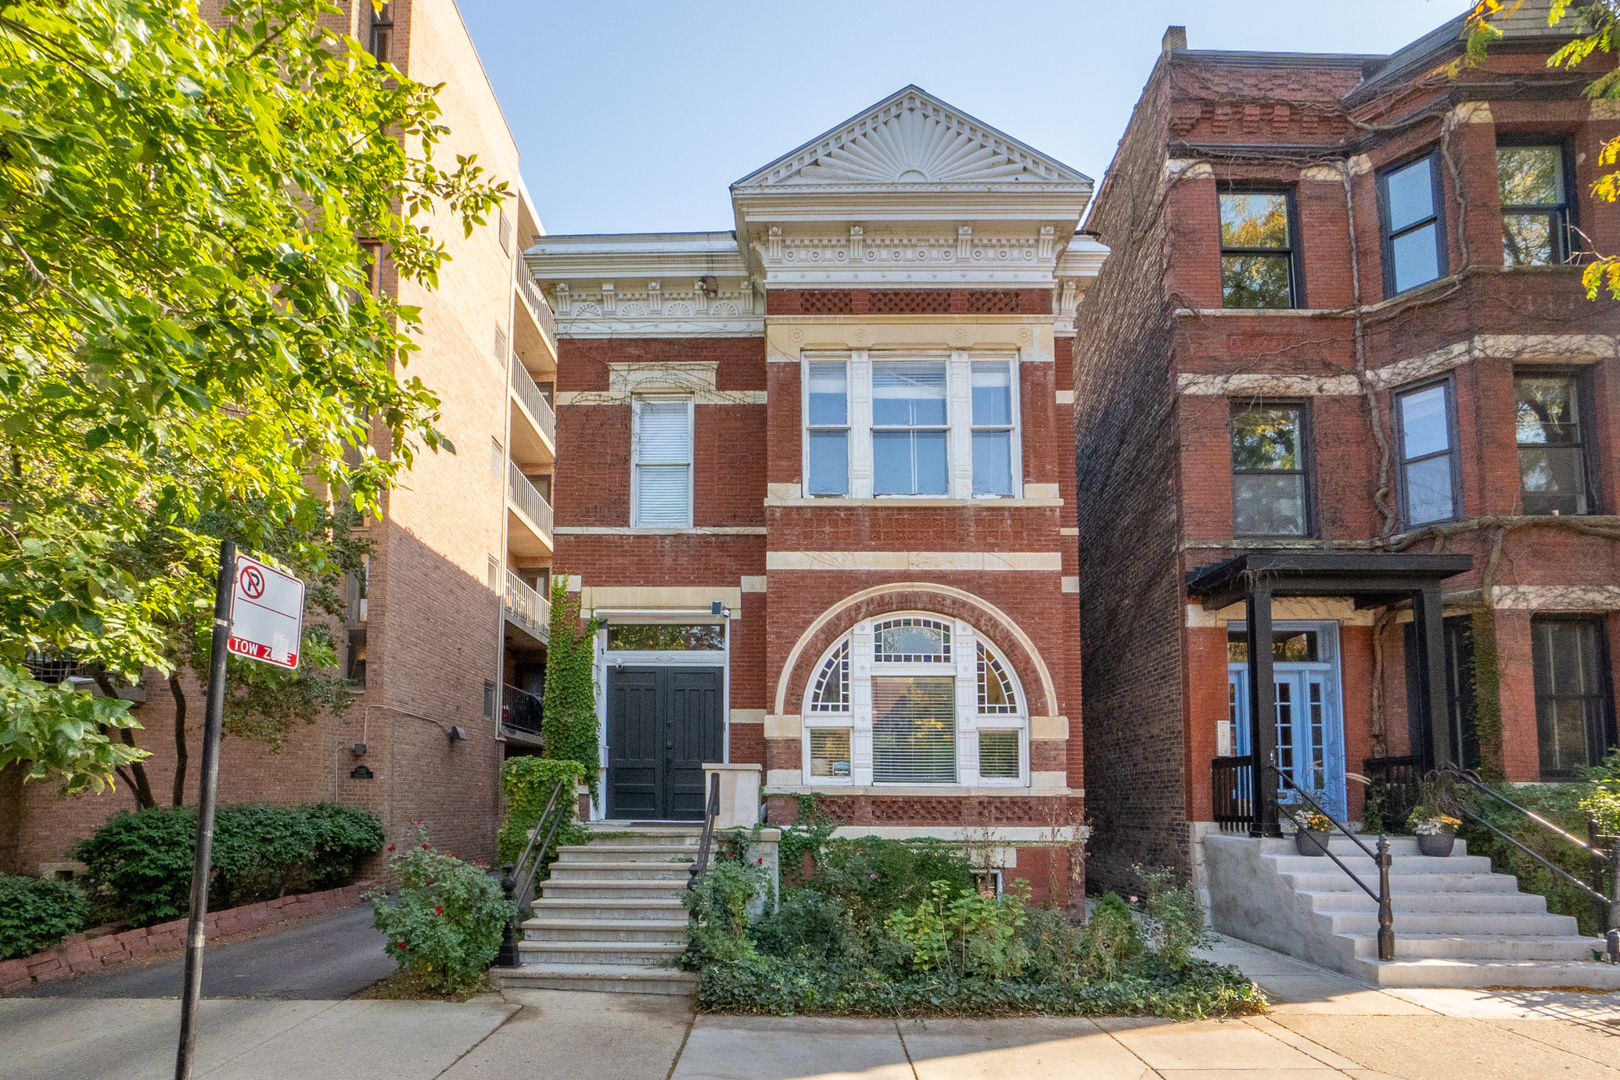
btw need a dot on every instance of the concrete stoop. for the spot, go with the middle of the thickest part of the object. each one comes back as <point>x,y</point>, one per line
<point>1456,923</point>
<point>610,916</point>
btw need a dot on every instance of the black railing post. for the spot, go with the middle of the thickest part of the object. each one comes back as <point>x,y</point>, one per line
<point>508,956</point>
<point>1386,908</point>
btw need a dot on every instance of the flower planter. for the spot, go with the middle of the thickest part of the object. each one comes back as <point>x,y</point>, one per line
<point>1436,845</point>
<point>1310,843</point>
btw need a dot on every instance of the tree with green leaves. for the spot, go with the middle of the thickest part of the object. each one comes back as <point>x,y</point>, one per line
<point>190,218</point>
<point>1594,26</point>
<point>568,715</point>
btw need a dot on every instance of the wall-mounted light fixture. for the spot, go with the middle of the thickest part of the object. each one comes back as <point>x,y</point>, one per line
<point>458,734</point>
<point>359,749</point>
<point>719,608</point>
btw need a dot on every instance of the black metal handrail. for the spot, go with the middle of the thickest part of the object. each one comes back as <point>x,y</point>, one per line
<point>711,813</point>
<point>508,956</point>
<point>1596,852</point>
<point>1386,910</point>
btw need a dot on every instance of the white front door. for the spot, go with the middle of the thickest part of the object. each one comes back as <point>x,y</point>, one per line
<point>1310,724</point>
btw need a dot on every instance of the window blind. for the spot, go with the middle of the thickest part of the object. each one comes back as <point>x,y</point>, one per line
<point>914,730</point>
<point>663,464</point>
<point>998,755</point>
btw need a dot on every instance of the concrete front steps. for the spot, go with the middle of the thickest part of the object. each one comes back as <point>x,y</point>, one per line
<point>1456,923</point>
<point>610,916</point>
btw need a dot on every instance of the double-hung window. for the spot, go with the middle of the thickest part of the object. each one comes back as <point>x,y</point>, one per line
<point>661,455</point>
<point>1269,490</point>
<point>910,428</point>
<point>1258,267</point>
<point>1426,422</point>
<point>1414,235</point>
<point>1535,205</point>
<point>1554,451</point>
<point>899,426</point>
<point>992,427</point>
<point>827,416</point>
<point>1574,702</point>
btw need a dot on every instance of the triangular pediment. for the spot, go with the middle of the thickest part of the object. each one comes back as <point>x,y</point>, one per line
<point>912,138</point>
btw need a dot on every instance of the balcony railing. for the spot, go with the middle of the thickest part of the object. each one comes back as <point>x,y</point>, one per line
<point>528,499</point>
<point>536,301</point>
<point>529,393</point>
<point>520,710</point>
<point>527,606</point>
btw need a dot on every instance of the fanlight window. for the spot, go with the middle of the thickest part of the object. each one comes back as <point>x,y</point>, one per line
<point>831,694</point>
<point>912,641</point>
<point>996,694</point>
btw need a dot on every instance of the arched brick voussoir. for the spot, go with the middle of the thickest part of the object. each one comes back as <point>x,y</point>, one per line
<point>989,621</point>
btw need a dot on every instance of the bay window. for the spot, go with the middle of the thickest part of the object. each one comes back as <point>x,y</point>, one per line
<point>897,426</point>
<point>1426,428</point>
<point>1554,445</point>
<point>914,699</point>
<point>1531,185</point>
<point>1413,228</point>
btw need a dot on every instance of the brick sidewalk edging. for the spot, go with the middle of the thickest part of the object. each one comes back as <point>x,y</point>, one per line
<point>79,954</point>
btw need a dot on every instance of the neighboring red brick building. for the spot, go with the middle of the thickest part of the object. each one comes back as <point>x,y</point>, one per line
<point>1339,367</point>
<point>826,502</point>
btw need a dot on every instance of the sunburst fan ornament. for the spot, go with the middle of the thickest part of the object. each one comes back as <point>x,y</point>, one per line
<point>911,147</point>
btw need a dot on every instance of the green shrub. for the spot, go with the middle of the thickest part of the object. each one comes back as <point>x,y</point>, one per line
<point>526,787</point>
<point>143,860</point>
<point>1173,918</point>
<point>874,878</point>
<point>1560,804</point>
<point>1112,941</point>
<point>446,923</point>
<point>36,913</point>
<point>719,905</point>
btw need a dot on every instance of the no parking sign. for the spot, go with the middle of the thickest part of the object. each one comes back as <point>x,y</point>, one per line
<point>267,614</point>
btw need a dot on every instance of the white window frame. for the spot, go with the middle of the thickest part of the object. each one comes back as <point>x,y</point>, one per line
<point>958,415</point>
<point>636,403</point>
<point>963,666</point>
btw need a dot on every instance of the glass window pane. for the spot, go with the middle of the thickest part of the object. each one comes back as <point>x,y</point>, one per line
<point>992,463</point>
<point>663,497</point>
<point>998,755</point>
<point>1411,195</point>
<point>829,394</point>
<point>1530,175</point>
<point>1265,438</point>
<point>912,640</point>
<point>679,637</point>
<point>829,463</point>
<point>908,393</point>
<point>914,730</point>
<point>1546,411</point>
<point>1552,480</point>
<point>1268,505</point>
<point>1416,256</point>
<point>1254,219</point>
<point>1255,281</point>
<point>992,394</point>
<point>1527,239</point>
<point>908,463</point>
<point>1425,427</point>
<point>1570,713</point>
<point>1287,646</point>
<point>829,753</point>
<point>1428,491</point>
<point>662,435</point>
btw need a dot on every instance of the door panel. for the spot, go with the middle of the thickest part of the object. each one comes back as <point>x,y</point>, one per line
<point>635,758</point>
<point>693,736</point>
<point>1310,733</point>
<point>664,723</point>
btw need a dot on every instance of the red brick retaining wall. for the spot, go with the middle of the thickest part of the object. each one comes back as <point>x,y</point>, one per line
<point>79,954</point>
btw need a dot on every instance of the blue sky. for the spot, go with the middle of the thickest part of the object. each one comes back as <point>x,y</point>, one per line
<point>636,116</point>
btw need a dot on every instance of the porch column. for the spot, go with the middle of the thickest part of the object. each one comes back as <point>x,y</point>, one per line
<point>1430,635</point>
<point>1262,712</point>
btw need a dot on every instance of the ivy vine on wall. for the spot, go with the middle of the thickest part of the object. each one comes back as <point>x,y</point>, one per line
<point>568,719</point>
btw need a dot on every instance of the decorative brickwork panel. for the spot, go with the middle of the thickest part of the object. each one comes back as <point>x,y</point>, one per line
<point>993,302</point>
<point>909,302</point>
<point>825,302</point>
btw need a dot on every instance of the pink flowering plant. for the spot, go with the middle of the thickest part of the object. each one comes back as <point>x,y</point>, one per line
<point>445,922</point>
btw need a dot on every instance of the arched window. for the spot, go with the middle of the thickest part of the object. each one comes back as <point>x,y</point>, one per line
<point>892,703</point>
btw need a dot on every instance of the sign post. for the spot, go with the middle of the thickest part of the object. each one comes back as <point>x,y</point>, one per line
<point>259,614</point>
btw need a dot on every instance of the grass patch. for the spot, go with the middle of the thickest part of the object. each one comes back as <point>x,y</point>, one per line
<point>404,985</point>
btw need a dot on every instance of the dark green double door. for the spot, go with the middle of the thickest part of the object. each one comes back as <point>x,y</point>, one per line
<point>663,723</point>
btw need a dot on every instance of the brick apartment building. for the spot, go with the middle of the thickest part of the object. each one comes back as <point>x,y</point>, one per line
<point>827,509</point>
<point>449,628</point>
<point>1339,393</point>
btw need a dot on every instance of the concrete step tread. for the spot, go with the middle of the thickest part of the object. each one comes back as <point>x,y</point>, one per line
<point>1481,939</point>
<point>624,864</point>
<point>607,948</point>
<point>619,883</point>
<point>604,971</point>
<point>604,924</point>
<point>608,903</point>
<point>1452,971</point>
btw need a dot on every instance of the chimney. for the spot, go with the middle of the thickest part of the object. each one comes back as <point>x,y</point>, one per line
<point>1175,37</point>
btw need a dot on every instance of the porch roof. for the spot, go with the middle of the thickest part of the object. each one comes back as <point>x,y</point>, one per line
<point>1372,579</point>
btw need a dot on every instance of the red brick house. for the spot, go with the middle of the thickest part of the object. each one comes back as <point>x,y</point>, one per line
<point>1345,433</point>
<point>827,507</point>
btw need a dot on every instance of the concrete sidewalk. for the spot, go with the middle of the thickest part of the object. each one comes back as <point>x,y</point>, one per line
<point>1324,1025</point>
